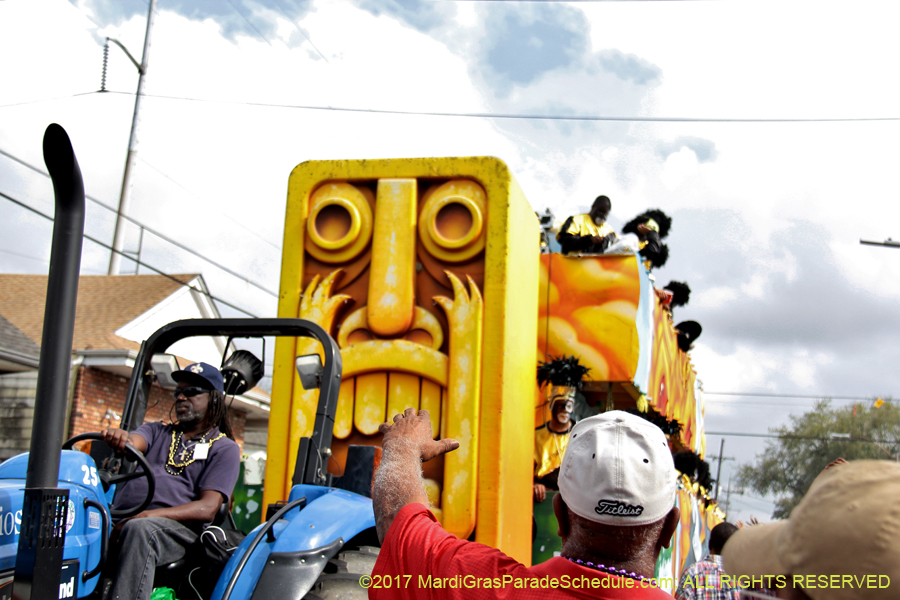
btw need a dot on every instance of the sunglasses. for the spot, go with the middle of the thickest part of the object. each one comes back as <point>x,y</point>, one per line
<point>188,392</point>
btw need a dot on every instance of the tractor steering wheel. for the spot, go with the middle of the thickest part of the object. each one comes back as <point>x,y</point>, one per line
<point>133,454</point>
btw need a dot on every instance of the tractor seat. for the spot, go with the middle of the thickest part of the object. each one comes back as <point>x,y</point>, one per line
<point>167,575</point>
<point>171,574</point>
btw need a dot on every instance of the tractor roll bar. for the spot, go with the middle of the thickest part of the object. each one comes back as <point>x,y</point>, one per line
<point>308,469</point>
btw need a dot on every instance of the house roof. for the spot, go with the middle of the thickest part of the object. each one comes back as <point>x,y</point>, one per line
<point>16,347</point>
<point>105,303</point>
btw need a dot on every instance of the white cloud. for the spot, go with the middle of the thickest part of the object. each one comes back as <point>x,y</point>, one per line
<point>742,370</point>
<point>679,166</point>
<point>466,15</point>
<point>713,297</point>
<point>803,367</point>
<point>747,369</point>
<point>225,165</point>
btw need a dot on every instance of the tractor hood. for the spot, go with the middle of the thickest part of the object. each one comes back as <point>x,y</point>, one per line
<point>84,525</point>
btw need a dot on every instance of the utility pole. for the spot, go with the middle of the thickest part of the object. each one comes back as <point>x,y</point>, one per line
<point>115,259</point>
<point>728,496</point>
<point>889,243</point>
<point>720,457</point>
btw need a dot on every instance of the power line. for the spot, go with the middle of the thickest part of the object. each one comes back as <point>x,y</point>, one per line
<point>760,405</point>
<point>20,255</point>
<point>756,403</point>
<point>235,221</point>
<point>813,397</point>
<point>521,116</point>
<point>557,1</point>
<point>153,231</point>
<point>303,33</point>
<point>141,263</point>
<point>746,495</point>
<point>789,436</point>
<point>747,506</point>
<point>478,115</point>
<point>249,23</point>
<point>743,498</point>
<point>46,99</point>
<point>784,405</point>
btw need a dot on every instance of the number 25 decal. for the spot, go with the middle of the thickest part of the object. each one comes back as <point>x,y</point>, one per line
<point>90,475</point>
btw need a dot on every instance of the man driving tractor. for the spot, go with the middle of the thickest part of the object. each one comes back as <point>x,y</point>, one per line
<point>196,463</point>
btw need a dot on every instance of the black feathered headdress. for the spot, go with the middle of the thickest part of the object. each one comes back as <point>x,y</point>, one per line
<point>662,219</point>
<point>681,292</point>
<point>697,469</point>
<point>688,332</point>
<point>563,371</point>
<point>668,427</point>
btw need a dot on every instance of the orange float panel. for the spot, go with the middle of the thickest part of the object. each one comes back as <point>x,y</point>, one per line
<point>603,310</point>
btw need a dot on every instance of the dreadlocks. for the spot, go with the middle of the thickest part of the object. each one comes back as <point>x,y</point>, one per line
<point>217,413</point>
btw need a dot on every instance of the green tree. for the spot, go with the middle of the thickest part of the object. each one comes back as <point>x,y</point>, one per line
<point>800,452</point>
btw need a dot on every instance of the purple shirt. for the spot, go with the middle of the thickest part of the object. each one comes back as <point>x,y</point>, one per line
<point>219,471</point>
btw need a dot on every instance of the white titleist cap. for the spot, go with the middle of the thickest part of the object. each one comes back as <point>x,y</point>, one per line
<point>618,470</point>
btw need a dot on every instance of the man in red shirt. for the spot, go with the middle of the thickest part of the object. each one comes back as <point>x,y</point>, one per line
<point>615,510</point>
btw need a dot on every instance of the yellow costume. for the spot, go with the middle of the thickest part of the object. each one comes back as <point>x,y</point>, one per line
<point>549,448</point>
<point>582,225</point>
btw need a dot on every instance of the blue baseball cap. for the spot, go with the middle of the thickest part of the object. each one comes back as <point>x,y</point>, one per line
<point>201,374</point>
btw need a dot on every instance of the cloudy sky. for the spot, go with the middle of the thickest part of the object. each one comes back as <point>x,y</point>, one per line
<point>767,215</point>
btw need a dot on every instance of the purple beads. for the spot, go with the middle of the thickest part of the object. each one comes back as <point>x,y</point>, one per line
<point>605,569</point>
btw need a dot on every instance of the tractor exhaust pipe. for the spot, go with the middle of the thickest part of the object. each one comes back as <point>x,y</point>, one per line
<point>44,511</point>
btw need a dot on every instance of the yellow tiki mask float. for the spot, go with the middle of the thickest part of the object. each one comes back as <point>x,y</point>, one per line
<point>425,271</point>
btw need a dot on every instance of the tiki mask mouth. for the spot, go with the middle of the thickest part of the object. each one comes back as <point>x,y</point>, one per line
<point>384,377</point>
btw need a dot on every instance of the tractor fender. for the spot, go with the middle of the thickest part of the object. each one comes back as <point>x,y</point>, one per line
<point>329,518</point>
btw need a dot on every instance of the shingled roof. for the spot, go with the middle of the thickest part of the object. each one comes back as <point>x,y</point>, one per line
<point>15,345</point>
<point>105,303</point>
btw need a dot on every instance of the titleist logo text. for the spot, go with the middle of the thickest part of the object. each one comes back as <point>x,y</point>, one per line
<point>620,509</point>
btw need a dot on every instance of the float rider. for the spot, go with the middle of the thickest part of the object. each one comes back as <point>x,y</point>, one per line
<point>588,233</point>
<point>650,227</point>
<point>561,378</point>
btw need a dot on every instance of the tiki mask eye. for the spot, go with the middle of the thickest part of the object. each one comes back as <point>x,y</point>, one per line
<point>339,225</point>
<point>451,222</point>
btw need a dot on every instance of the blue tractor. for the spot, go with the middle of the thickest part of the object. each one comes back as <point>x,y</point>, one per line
<point>55,516</point>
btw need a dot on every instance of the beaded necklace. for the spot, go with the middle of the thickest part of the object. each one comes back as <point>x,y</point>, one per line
<point>605,569</point>
<point>176,468</point>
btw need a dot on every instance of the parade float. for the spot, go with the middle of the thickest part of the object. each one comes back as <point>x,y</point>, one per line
<point>405,283</point>
<point>429,274</point>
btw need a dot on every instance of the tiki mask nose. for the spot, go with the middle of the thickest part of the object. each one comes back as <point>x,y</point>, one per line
<point>391,301</point>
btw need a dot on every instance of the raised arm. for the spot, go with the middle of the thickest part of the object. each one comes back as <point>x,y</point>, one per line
<point>407,444</point>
